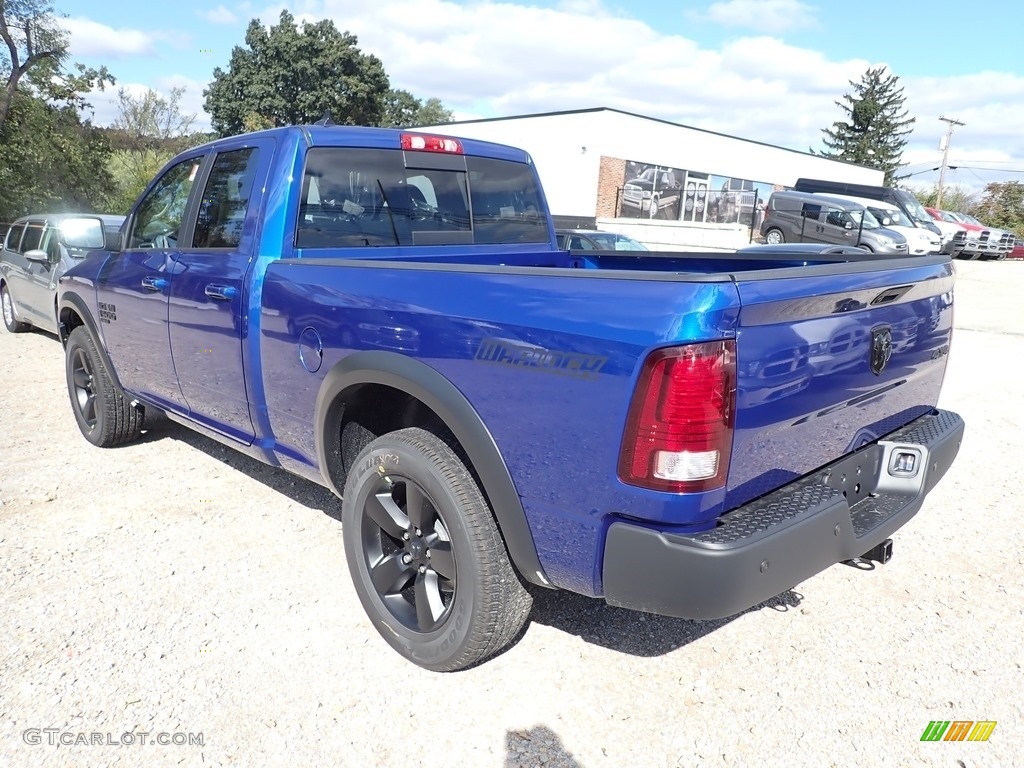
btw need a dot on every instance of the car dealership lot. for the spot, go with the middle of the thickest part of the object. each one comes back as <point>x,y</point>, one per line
<point>176,587</point>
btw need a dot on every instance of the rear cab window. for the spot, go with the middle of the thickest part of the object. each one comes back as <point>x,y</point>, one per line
<point>358,197</point>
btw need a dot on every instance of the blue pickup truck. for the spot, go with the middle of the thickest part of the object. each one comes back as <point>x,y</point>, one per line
<point>388,314</point>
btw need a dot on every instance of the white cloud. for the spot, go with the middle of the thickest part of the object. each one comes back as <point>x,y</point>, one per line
<point>90,38</point>
<point>489,58</point>
<point>579,54</point>
<point>759,88</point>
<point>218,15</point>
<point>771,16</point>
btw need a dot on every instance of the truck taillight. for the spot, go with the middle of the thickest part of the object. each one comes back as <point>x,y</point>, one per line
<point>680,425</point>
<point>425,143</point>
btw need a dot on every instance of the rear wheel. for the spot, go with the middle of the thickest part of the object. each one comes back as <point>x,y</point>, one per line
<point>425,554</point>
<point>774,236</point>
<point>13,325</point>
<point>102,410</point>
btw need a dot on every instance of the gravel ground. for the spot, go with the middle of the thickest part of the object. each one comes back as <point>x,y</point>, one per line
<point>176,587</point>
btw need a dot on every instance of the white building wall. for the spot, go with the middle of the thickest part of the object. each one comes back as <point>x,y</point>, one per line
<point>567,149</point>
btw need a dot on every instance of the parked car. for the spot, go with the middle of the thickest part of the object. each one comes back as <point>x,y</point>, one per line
<point>901,198</point>
<point>919,239</point>
<point>955,236</point>
<point>1018,249</point>
<point>39,249</point>
<point>594,240</point>
<point>994,243</point>
<point>816,218</point>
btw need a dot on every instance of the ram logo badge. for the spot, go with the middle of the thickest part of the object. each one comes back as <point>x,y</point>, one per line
<point>881,348</point>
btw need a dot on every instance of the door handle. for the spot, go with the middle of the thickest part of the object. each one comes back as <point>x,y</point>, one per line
<point>154,283</point>
<point>221,292</point>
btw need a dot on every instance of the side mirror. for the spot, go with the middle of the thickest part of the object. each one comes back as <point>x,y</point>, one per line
<point>37,255</point>
<point>114,241</point>
<point>83,233</point>
<point>848,225</point>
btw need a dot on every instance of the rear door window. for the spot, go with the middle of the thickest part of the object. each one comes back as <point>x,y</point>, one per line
<point>811,211</point>
<point>226,199</point>
<point>13,242</point>
<point>33,236</point>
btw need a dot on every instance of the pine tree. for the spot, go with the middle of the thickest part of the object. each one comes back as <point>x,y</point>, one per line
<point>877,125</point>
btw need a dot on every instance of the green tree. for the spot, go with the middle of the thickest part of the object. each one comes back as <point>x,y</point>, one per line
<point>147,132</point>
<point>1003,206</point>
<point>876,127</point>
<point>403,110</point>
<point>289,74</point>
<point>51,161</point>
<point>433,112</point>
<point>32,36</point>
<point>954,198</point>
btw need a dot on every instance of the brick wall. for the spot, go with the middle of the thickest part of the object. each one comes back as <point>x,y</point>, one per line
<point>611,177</point>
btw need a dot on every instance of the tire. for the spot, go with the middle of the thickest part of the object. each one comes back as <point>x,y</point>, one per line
<point>441,613</point>
<point>652,208</point>
<point>102,410</point>
<point>774,236</point>
<point>13,325</point>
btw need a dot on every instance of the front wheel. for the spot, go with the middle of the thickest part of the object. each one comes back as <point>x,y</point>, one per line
<point>102,410</point>
<point>774,236</point>
<point>425,554</point>
<point>13,325</point>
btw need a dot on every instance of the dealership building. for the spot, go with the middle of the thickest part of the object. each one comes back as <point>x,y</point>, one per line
<point>666,184</point>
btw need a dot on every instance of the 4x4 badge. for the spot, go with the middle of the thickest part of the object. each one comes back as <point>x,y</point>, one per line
<point>881,348</point>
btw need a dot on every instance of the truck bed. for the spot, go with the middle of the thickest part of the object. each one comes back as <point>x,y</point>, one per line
<point>692,264</point>
<point>548,352</point>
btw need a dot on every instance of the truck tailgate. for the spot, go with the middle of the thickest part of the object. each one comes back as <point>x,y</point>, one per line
<point>826,365</point>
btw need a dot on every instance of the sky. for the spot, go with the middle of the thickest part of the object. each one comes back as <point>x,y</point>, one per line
<point>767,70</point>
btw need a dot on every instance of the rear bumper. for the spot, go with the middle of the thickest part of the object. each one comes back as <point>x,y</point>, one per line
<point>779,540</point>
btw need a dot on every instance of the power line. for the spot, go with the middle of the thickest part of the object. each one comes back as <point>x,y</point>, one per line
<point>990,170</point>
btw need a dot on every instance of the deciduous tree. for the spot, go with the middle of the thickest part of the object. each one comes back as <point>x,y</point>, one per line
<point>1003,206</point>
<point>31,36</point>
<point>51,160</point>
<point>148,130</point>
<point>876,127</point>
<point>954,198</point>
<point>292,74</point>
<point>403,110</point>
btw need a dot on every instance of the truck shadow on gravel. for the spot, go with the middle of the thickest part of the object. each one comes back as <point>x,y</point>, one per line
<point>632,632</point>
<point>590,619</point>
<point>298,489</point>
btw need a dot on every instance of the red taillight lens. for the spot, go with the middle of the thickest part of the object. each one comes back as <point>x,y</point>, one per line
<point>423,143</point>
<point>680,425</point>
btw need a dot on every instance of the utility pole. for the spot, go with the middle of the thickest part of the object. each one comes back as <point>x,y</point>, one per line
<point>945,157</point>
